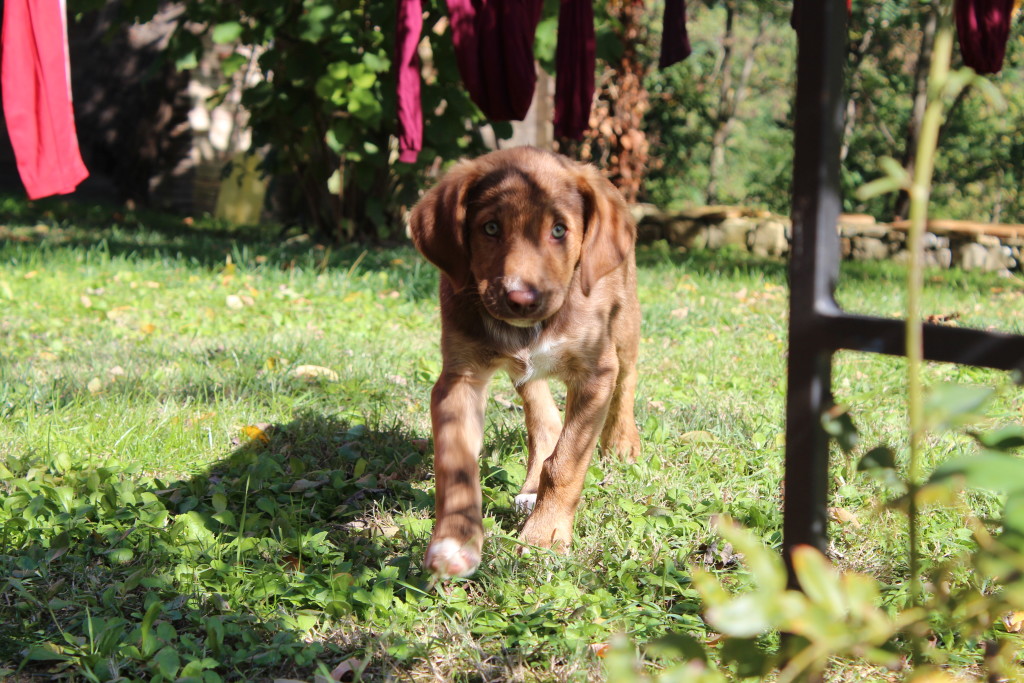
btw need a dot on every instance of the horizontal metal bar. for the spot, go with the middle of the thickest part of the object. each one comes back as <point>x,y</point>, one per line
<point>942,343</point>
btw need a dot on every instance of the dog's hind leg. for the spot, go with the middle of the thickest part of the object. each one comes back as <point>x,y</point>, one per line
<point>620,435</point>
<point>543,425</point>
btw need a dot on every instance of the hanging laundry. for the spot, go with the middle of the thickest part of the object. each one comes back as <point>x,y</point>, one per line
<point>494,50</point>
<point>410,109</point>
<point>675,40</point>
<point>35,75</point>
<point>575,62</point>
<point>982,29</point>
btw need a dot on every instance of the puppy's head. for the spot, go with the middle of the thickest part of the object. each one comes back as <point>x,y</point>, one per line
<point>520,225</point>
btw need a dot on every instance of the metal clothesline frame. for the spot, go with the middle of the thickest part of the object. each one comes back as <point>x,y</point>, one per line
<point>818,327</point>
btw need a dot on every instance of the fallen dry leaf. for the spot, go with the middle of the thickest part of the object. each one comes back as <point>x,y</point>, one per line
<point>349,666</point>
<point>1014,622</point>
<point>844,516</point>
<point>257,432</point>
<point>95,385</point>
<point>234,302</point>
<point>311,372</point>
<point>600,649</point>
<point>147,328</point>
<point>697,437</point>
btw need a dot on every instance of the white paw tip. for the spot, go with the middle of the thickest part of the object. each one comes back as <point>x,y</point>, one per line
<point>526,501</point>
<point>447,557</point>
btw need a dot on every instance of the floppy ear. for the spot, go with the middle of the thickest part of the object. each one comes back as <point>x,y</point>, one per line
<point>437,224</point>
<point>609,232</point>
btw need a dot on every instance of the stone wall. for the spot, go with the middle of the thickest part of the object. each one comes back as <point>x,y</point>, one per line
<point>968,245</point>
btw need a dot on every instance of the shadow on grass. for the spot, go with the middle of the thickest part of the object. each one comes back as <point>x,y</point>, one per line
<point>229,571</point>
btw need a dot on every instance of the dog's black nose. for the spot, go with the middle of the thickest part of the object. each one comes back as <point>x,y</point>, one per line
<point>523,301</point>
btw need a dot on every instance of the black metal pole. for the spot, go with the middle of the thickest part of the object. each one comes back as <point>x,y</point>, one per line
<point>814,267</point>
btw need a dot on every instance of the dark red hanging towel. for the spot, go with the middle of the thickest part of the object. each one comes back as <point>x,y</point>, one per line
<point>675,40</point>
<point>575,57</point>
<point>494,50</point>
<point>982,29</point>
<point>37,97</point>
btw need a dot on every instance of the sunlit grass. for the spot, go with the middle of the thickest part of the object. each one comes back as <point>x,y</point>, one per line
<point>183,501</point>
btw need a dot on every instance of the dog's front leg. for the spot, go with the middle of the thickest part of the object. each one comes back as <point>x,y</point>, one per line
<point>561,477</point>
<point>543,427</point>
<point>457,414</point>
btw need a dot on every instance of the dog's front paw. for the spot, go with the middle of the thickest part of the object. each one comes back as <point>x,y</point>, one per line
<point>447,557</point>
<point>525,502</point>
<point>547,531</point>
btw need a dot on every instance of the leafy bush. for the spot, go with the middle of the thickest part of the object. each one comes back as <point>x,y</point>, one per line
<point>325,106</point>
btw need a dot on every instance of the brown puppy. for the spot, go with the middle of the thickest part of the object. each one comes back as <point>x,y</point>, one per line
<point>539,279</point>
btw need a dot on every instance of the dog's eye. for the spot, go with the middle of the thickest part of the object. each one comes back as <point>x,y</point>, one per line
<point>491,228</point>
<point>558,232</point>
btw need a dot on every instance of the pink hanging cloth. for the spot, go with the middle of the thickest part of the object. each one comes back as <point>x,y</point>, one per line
<point>410,109</point>
<point>35,75</point>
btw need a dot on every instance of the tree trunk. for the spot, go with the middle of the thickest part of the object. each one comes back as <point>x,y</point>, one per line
<point>730,97</point>
<point>902,203</point>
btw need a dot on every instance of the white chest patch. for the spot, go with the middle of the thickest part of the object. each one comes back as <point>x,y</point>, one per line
<point>539,361</point>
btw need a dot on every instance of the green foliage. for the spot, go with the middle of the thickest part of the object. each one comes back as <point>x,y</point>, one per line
<point>324,102</point>
<point>980,158</point>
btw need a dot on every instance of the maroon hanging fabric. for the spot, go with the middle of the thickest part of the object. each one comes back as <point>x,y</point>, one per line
<point>494,50</point>
<point>675,40</point>
<point>982,28</point>
<point>410,110</point>
<point>575,63</point>
<point>37,97</point>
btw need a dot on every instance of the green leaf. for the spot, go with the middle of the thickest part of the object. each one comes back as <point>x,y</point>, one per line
<point>678,646</point>
<point>766,566</point>
<point>186,61</point>
<point>47,652</point>
<point>148,638</point>
<point>747,657</point>
<point>1002,439</point>
<point>1013,513</point>
<point>120,555</point>
<point>334,183</point>
<point>818,579</point>
<point>989,470</point>
<point>167,662</point>
<point>744,616</point>
<point>228,32</point>
<point>841,428</point>
<point>232,64</point>
<point>376,62</point>
<point>879,457</point>
<point>951,405</point>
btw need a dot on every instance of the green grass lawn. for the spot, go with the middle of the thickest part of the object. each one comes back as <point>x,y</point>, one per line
<point>215,459</point>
